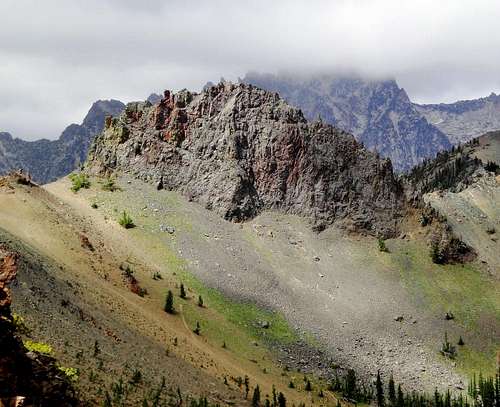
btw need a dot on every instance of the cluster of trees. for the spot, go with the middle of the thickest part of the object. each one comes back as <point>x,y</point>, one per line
<point>445,171</point>
<point>492,166</point>
<point>277,399</point>
<point>482,392</point>
<point>170,309</point>
<point>169,301</point>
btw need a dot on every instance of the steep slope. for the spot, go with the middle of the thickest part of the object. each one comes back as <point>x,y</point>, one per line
<point>377,112</point>
<point>466,119</point>
<point>48,160</point>
<point>339,289</point>
<point>95,293</point>
<point>239,150</point>
<point>464,187</point>
<point>26,377</point>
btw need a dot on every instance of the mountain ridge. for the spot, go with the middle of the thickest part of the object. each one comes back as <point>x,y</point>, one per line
<point>464,120</point>
<point>47,160</point>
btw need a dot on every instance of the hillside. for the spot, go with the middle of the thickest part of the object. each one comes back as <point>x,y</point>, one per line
<point>466,119</point>
<point>47,160</point>
<point>463,186</point>
<point>94,293</point>
<point>340,291</point>
<point>377,112</point>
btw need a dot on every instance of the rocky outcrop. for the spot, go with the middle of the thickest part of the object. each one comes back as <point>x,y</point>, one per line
<point>377,112</point>
<point>25,377</point>
<point>49,160</point>
<point>466,119</point>
<point>239,150</point>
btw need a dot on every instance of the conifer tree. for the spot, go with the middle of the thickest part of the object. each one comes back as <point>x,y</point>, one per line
<point>183,292</point>
<point>392,391</point>
<point>401,399</point>
<point>380,391</point>
<point>247,386</point>
<point>281,400</point>
<point>350,384</point>
<point>256,397</point>
<point>169,303</point>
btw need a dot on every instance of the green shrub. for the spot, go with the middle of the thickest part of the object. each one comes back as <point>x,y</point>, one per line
<point>38,347</point>
<point>19,324</point>
<point>79,180</point>
<point>447,349</point>
<point>436,253</point>
<point>109,185</point>
<point>381,245</point>
<point>157,276</point>
<point>70,372</point>
<point>126,221</point>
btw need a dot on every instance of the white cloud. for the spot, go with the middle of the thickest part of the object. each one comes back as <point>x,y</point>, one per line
<point>58,56</point>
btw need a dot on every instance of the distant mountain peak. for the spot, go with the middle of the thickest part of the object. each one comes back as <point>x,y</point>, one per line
<point>153,98</point>
<point>377,112</point>
<point>47,160</point>
<point>464,120</point>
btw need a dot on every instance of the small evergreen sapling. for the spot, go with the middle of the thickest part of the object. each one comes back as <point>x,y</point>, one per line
<point>256,397</point>
<point>380,391</point>
<point>169,303</point>
<point>281,400</point>
<point>381,245</point>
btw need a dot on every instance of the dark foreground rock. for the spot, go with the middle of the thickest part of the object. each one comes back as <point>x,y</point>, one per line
<point>25,377</point>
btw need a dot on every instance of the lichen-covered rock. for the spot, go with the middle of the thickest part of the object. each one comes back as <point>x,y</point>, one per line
<point>239,150</point>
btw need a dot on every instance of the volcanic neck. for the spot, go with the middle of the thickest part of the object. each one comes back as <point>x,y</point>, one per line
<point>239,150</point>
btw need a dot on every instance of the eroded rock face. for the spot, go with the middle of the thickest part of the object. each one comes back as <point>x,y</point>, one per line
<point>238,150</point>
<point>25,376</point>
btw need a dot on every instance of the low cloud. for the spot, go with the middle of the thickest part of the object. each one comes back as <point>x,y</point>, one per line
<point>58,56</point>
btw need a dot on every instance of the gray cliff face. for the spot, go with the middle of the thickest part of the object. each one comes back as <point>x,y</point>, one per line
<point>464,120</point>
<point>378,113</point>
<point>239,150</point>
<point>48,160</point>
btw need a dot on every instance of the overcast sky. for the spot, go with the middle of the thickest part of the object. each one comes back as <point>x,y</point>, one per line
<point>58,56</point>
